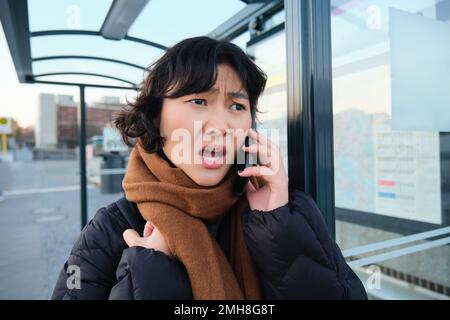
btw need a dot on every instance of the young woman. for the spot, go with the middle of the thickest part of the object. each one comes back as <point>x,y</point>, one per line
<point>181,232</point>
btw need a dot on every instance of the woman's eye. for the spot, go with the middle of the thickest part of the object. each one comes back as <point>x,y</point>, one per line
<point>199,102</point>
<point>237,107</point>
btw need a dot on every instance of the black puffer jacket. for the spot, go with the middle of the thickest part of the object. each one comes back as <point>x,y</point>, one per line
<point>294,254</point>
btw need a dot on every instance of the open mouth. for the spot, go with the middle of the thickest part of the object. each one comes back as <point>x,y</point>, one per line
<point>213,156</point>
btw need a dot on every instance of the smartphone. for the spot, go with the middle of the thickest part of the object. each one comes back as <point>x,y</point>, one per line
<point>250,160</point>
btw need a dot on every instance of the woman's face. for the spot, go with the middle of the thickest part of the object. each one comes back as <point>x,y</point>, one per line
<point>203,131</point>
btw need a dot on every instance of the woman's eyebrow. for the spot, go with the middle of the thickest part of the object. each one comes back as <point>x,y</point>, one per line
<point>238,95</point>
<point>233,94</point>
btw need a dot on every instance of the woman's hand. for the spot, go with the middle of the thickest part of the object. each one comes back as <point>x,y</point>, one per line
<point>151,239</point>
<point>275,193</point>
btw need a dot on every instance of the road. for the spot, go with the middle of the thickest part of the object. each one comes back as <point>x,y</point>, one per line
<point>39,223</point>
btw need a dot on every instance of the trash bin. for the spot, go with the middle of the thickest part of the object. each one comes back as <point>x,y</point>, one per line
<point>111,174</point>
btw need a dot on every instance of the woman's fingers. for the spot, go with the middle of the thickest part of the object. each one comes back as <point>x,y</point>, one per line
<point>152,239</point>
<point>132,238</point>
<point>158,242</point>
<point>268,152</point>
<point>148,229</point>
<point>266,155</point>
<point>259,137</point>
<point>270,162</point>
<point>256,171</point>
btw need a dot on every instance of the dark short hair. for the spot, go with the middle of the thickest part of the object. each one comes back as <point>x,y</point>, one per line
<point>188,67</point>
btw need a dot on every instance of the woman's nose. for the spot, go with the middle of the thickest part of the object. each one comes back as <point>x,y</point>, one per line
<point>216,122</point>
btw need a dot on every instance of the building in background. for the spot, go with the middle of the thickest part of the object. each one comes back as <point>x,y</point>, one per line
<point>57,128</point>
<point>45,129</point>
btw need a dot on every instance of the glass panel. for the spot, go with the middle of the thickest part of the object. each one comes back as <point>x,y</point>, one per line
<point>67,14</point>
<point>270,55</point>
<point>391,135</point>
<point>106,155</point>
<point>39,192</point>
<point>168,22</point>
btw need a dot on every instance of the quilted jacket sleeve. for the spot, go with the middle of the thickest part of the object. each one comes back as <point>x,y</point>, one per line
<point>149,274</point>
<point>295,255</point>
<point>108,269</point>
<point>95,256</point>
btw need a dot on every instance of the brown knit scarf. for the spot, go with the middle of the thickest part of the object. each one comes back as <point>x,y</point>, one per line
<point>176,205</point>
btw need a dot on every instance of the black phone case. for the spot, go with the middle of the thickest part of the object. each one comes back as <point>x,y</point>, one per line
<point>249,161</point>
